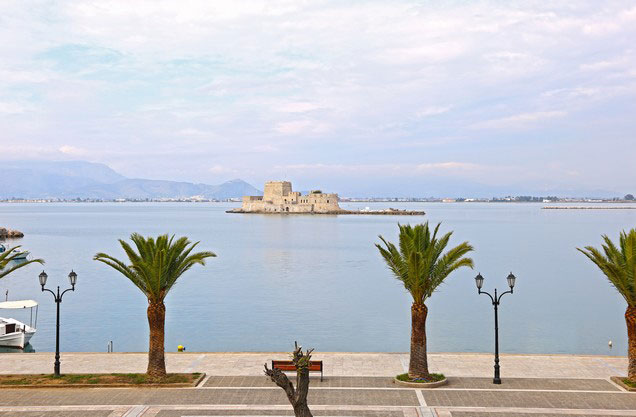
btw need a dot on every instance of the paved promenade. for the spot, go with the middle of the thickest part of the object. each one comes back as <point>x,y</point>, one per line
<point>355,384</point>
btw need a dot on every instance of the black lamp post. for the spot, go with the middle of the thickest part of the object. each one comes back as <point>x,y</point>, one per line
<point>72,277</point>
<point>479,280</point>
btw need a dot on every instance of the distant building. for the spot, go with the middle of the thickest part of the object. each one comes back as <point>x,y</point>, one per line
<point>278,197</point>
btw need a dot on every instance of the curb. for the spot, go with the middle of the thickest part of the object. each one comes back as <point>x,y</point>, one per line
<point>175,385</point>
<point>422,385</point>
<point>619,381</point>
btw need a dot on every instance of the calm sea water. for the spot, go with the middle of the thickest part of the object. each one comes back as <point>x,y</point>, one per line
<point>320,280</point>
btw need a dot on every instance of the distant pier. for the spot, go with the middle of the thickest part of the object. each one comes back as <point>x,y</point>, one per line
<point>386,212</point>
<point>279,198</point>
<point>588,208</point>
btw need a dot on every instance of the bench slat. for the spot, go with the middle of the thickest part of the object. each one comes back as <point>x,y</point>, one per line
<point>314,366</point>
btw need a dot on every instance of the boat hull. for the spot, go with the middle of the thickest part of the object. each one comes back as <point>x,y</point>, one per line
<point>16,339</point>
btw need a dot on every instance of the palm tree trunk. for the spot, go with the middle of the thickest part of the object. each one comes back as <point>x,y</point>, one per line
<point>630,319</point>
<point>156,322</point>
<point>418,365</point>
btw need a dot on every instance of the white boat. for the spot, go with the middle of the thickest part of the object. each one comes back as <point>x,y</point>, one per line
<point>18,254</point>
<point>14,333</point>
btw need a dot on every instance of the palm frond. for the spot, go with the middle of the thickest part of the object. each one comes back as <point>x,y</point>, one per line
<point>618,263</point>
<point>8,257</point>
<point>155,264</point>
<point>420,263</point>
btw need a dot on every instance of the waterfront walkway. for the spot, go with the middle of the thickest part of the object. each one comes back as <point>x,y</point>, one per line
<point>356,384</point>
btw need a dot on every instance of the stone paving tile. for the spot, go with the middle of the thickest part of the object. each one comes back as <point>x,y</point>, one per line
<point>550,384</point>
<point>507,414</point>
<point>65,413</point>
<point>520,399</point>
<point>360,413</point>
<point>168,396</point>
<point>331,382</point>
<point>336,363</point>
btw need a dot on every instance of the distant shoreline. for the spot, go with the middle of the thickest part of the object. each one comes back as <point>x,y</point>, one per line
<point>390,212</point>
<point>345,201</point>
<point>587,208</point>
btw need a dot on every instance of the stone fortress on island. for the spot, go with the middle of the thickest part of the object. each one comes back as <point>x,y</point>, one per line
<point>278,198</point>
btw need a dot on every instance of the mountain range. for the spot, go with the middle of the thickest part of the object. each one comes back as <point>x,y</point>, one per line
<point>81,179</point>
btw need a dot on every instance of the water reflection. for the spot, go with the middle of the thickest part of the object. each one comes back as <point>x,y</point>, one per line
<point>27,349</point>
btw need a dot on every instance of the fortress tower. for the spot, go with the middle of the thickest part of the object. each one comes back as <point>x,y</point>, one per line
<point>278,197</point>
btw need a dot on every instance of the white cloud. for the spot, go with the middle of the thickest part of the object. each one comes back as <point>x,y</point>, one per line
<point>220,169</point>
<point>14,108</point>
<point>73,150</point>
<point>449,167</point>
<point>299,107</point>
<point>520,120</point>
<point>301,126</point>
<point>177,83</point>
<point>432,111</point>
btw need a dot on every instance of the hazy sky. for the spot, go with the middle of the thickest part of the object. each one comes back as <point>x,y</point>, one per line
<point>371,96</point>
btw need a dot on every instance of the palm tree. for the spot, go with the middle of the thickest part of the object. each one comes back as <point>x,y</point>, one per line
<point>154,268</point>
<point>619,265</point>
<point>9,255</point>
<point>421,265</point>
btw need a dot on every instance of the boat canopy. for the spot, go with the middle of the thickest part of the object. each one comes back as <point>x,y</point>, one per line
<point>18,304</point>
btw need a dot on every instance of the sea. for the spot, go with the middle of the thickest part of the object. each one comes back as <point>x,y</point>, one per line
<point>319,279</point>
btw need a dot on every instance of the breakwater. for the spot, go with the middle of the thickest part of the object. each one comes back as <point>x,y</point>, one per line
<point>386,212</point>
<point>10,233</point>
<point>587,208</point>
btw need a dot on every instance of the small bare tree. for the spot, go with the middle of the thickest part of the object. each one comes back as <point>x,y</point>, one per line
<point>297,397</point>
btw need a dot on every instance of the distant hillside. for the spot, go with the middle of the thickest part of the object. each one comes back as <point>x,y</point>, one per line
<point>79,179</point>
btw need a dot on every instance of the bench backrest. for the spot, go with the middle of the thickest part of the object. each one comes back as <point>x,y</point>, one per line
<point>289,365</point>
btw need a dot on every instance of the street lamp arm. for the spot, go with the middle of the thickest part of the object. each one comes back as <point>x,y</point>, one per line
<point>54,295</point>
<point>73,289</point>
<point>502,294</point>
<point>484,292</point>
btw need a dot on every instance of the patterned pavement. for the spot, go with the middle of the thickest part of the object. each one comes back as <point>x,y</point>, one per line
<point>335,396</point>
<point>355,385</point>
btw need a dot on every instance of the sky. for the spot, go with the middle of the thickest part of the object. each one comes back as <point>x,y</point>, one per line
<point>357,97</point>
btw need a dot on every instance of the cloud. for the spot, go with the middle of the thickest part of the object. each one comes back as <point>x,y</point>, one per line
<point>73,150</point>
<point>444,168</point>
<point>383,85</point>
<point>300,126</point>
<point>299,107</point>
<point>220,169</point>
<point>520,120</point>
<point>432,111</point>
<point>14,108</point>
<point>449,166</point>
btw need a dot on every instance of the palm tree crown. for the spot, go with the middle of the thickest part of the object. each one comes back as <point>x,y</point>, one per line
<point>9,255</point>
<point>419,262</point>
<point>157,264</point>
<point>617,263</point>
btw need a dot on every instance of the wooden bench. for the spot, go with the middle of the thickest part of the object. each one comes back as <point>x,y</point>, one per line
<point>314,366</point>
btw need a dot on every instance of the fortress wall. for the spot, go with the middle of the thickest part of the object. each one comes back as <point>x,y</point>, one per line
<point>278,197</point>
<point>252,203</point>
